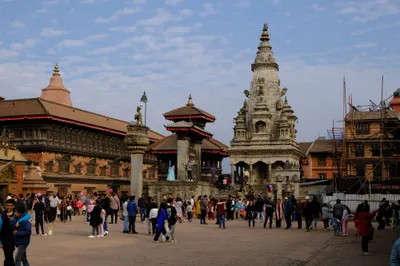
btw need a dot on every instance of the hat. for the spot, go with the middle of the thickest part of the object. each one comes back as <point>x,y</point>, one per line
<point>307,197</point>
<point>286,197</point>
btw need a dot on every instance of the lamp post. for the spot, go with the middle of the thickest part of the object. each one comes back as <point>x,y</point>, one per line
<point>144,100</point>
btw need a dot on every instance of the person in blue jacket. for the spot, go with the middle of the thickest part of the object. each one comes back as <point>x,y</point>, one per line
<point>22,234</point>
<point>7,224</point>
<point>132,212</point>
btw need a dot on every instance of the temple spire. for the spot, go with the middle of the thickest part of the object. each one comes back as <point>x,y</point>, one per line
<point>265,34</point>
<point>55,91</point>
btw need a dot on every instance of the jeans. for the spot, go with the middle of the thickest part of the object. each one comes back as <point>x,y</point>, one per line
<point>364,243</point>
<point>114,214</point>
<point>39,221</point>
<point>203,217</point>
<point>8,255</point>
<point>260,214</point>
<point>221,219</point>
<point>288,219</point>
<point>126,224</point>
<point>172,231</point>
<point>315,218</point>
<point>268,217</point>
<point>132,221</point>
<point>154,225</point>
<point>105,225</point>
<point>299,221</point>
<point>142,214</point>
<point>251,219</point>
<point>21,256</point>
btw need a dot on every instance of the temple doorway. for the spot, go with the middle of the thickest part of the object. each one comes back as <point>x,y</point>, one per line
<point>260,170</point>
<point>241,167</point>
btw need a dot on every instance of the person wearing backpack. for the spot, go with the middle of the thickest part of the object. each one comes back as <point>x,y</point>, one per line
<point>172,217</point>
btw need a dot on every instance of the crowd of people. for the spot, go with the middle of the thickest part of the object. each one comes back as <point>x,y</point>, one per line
<point>162,219</point>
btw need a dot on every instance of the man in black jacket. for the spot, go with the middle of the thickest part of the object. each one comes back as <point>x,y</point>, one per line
<point>269,211</point>
<point>230,208</point>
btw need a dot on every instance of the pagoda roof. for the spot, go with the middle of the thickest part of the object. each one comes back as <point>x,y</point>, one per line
<point>38,108</point>
<point>168,145</point>
<point>185,126</point>
<point>189,111</point>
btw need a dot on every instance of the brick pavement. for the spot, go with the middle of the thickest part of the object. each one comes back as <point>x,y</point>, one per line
<point>204,245</point>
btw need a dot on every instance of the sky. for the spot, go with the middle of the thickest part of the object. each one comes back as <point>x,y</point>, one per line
<point>110,51</point>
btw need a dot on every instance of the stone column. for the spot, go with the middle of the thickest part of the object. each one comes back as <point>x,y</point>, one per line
<point>197,159</point>
<point>183,158</point>
<point>136,141</point>
<point>233,167</point>
<point>269,172</point>
<point>251,174</point>
<point>279,190</point>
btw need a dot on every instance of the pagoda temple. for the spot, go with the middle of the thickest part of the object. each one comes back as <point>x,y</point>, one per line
<point>264,143</point>
<point>189,142</point>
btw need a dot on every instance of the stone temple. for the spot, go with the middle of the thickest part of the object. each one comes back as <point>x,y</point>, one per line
<point>264,146</point>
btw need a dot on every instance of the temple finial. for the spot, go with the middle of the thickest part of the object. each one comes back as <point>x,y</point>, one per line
<point>56,69</point>
<point>265,34</point>
<point>190,101</point>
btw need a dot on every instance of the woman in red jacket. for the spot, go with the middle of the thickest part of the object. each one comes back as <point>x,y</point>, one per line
<point>365,228</point>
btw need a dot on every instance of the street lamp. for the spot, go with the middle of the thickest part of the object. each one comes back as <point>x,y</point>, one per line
<point>144,100</point>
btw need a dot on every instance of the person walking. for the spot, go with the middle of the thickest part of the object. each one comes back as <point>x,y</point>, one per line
<point>365,228</point>
<point>114,207</point>
<point>288,210</point>
<point>269,212</point>
<point>203,209</point>
<point>132,212</point>
<point>251,213</point>
<point>307,212</point>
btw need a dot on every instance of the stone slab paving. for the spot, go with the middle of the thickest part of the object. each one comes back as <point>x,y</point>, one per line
<point>205,245</point>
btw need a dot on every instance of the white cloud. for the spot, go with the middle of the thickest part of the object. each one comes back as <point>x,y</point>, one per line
<point>117,14</point>
<point>244,3</point>
<point>366,45</point>
<point>317,8</point>
<point>17,24</point>
<point>28,43</point>
<point>378,27</point>
<point>172,2</point>
<point>162,16</point>
<point>96,37</point>
<point>178,30</point>
<point>208,10</point>
<point>42,10</point>
<point>93,1</point>
<point>369,10</point>
<point>73,59</point>
<point>124,28</point>
<point>71,43</point>
<point>51,32</point>
<point>186,12</point>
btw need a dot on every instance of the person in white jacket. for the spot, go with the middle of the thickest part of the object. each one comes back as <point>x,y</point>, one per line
<point>126,216</point>
<point>345,220</point>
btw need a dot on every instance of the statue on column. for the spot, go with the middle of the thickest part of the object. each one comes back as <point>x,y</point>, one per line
<point>138,115</point>
<point>189,168</point>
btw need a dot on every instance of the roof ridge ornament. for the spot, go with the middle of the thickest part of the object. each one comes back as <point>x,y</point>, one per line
<point>190,101</point>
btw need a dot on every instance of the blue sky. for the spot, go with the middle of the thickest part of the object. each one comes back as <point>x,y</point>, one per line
<point>110,51</point>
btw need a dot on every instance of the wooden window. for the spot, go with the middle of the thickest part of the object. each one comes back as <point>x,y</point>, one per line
<point>91,169</point>
<point>63,166</point>
<point>321,161</point>
<point>322,175</point>
<point>115,170</point>
<point>376,149</point>
<point>360,170</point>
<point>359,149</point>
<point>362,128</point>
<point>377,171</point>
<point>28,133</point>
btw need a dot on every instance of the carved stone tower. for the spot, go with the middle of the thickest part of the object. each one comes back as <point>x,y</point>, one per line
<point>264,140</point>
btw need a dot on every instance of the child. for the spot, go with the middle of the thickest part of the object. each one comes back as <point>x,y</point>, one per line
<point>345,220</point>
<point>22,234</point>
<point>189,211</point>
<point>95,220</point>
<point>221,213</point>
<point>335,223</point>
<point>153,218</point>
<point>325,216</point>
<point>101,226</point>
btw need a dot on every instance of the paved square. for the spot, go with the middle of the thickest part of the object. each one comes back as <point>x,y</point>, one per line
<point>206,245</point>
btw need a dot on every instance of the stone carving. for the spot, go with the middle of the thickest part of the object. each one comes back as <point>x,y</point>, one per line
<point>261,80</point>
<point>138,116</point>
<point>295,178</point>
<point>91,166</point>
<point>283,92</point>
<point>246,93</point>
<point>278,105</point>
<point>278,178</point>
